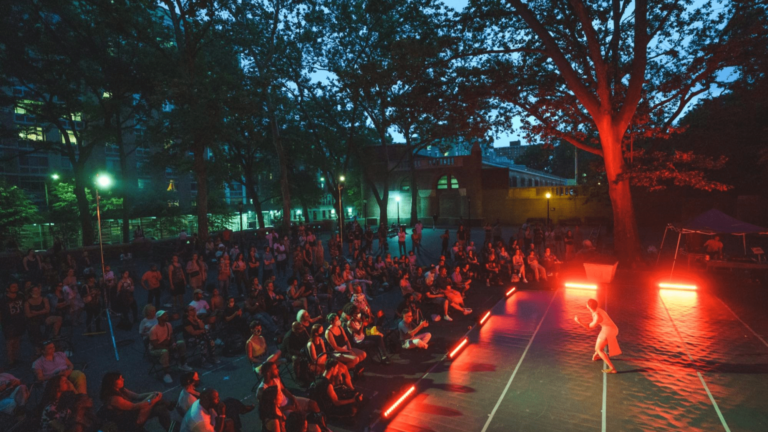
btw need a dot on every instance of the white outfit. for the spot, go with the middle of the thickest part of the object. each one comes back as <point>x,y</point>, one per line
<point>608,332</point>
<point>198,419</point>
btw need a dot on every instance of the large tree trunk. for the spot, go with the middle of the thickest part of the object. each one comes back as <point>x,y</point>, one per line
<point>86,226</point>
<point>414,191</point>
<point>285,187</point>
<point>126,186</point>
<point>626,238</point>
<point>201,174</point>
<point>253,195</point>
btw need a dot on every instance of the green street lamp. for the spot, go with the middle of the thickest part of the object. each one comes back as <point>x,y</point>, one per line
<point>104,182</point>
<point>341,212</point>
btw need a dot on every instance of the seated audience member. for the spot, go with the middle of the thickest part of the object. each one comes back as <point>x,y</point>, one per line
<point>274,303</point>
<point>338,341</point>
<point>356,328</point>
<point>537,269</point>
<point>458,281</point>
<point>550,262</point>
<point>81,417</point>
<point>409,332</point>
<point>217,305</point>
<point>295,340</point>
<point>316,350</point>
<point>162,344</point>
<point>256,310</point>
<point>52,363</point>
<point>335,402</point>
<point>54,413</point>
<point>286,401</point>
<point>492,269</point>
<point>272,418</point>
<point>306,320</point>
<point>202,307</point>
<point>405,287</point>
<point>196,334</point>
<point>190,382</point>
<point>207,414</point>
<point>436,296</point>
<point>38,312</point>
<point>233,320</point>
<point>256,348</point>
<point>518,266</point>
<point>296,422</point>
<point>149,321</point>
<point>13,394</point>
<point>131,410</point>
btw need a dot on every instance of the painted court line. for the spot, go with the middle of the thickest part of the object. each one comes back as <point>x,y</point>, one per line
<point>745,324</point>
<point>509,383</point>
<point>701,378</point>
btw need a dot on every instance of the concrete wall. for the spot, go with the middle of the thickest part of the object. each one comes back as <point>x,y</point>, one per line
<point>516,205</point>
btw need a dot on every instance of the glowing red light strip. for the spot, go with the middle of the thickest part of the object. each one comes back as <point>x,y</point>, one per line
<point>399,401</point>
<point>579,285</point>
<point>677,286</point>
<point>461,345</point>
<point>509,293</point>
<point>485,317</point>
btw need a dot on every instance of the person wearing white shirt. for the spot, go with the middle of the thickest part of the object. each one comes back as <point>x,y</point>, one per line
<point>207,414</point>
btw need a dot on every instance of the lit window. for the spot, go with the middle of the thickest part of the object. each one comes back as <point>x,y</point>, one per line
<point>405,185</point>
<point>34,133</point>
<point>447,182</point>
<point>72,138</point>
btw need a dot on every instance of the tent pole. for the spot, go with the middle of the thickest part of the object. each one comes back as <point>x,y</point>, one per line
<point>676,250</point>
<point>658,256</point>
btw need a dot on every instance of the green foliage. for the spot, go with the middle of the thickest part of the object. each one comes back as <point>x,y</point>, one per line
<point>16,210</point>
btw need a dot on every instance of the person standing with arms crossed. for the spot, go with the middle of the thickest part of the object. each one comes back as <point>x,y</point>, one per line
<point>607,336</point>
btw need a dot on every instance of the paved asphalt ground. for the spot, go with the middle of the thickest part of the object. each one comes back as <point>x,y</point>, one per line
<point>691,361</point>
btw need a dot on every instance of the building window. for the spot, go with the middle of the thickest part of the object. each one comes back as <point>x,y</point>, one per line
<point>72,139</point>
<point>447,182</point>
<point>113,164</point>
<point>405,185</point>
<point>22,114</point>
<point>33,133</point>
<point>111,149</point>
<point>33,164</point>
<point>513,181</point>
<point>530,182</point>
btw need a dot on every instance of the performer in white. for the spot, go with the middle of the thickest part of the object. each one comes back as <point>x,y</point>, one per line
<point>607,336</point>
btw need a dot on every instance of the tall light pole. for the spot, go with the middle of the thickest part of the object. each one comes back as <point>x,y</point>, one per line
<point>341,211</point>
<point>397,198</point>
<point>549,195</point>
<point>104,181</point>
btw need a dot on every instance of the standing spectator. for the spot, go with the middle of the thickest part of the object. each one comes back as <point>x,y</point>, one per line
<point>401,241</point>
<point>126,300</point>
<point>269,265</point>
<point>254,264</point>
<point>38,312</point>
<point>382,238</point>
<point>559,241</point>
<point>163,345</point>
<point>13,322</point>
<point>714,248</point>
<point>281,258</point>
<point>496,231</point>
<point>178,281</point>
<point>132,410</point>
<point>445,238</point>
<point>194,275</point>
<point>569,248</point>
<point>238,270</point>
<point>461,236</point>
<point>319,254</point>
<point>52,364</point>
<point>33,266</point>
<point>151,282</point>
<point>409,332</point>
<point>225,273</point>
<point>92,301</point>
<point>538,240</point>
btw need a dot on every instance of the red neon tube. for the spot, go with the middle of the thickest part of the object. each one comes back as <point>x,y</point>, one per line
<point>399,401</point>
<point>458,348</point>
<point>677,286</point>
<point>485,317</point>
<point>509,293</point>
<point>580,285</point>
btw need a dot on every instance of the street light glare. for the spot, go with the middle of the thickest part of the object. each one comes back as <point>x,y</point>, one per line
<point>397,198</point>
<point>55,176</point>
<point>341,178</point>
<point>104,181</point>
<point>549,195</point>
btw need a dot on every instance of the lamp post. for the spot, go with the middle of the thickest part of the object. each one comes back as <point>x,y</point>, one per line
<point>548,195</point>
<point>397,198</point>
<point>104,181</point>
<point>341,211</point>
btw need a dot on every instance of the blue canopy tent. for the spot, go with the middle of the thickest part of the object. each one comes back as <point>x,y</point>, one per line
<point>713,222</point>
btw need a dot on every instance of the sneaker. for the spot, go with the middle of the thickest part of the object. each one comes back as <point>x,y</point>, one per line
<point>185,368</point>
<point>435,317</point>
<point>168,380</point>
<point>447,318</point>
<point>467,311</point>
<point>525,280</point>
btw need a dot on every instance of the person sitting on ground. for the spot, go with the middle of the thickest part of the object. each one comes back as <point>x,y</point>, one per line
<point>257,350</point>
<point>13,394</point>
<point>295,341</point>
<point>132,410</point>
<point>405,287</point>
<point>207,414</point>
<point>52,414</point>
<point>297,294</point>
<point>492,269</point>
<point>537,269</point>
<point>52,364</point>
<point>286,401</point>
<point>233,320</point>
<point>162,345</point>
<point>189,394</point>
<point>334,402</point>
<point>356,326</point>
<point>149,321</point>
<point>409,332</point>
<point>458,281</point>
<point>338,341</point>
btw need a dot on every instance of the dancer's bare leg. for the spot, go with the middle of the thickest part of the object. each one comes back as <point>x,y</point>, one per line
<point>599,350</point>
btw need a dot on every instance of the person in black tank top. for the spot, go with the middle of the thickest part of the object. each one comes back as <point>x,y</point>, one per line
<point>334,402</point>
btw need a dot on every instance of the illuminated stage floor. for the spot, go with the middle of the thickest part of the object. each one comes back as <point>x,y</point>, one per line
<point>688,363</point>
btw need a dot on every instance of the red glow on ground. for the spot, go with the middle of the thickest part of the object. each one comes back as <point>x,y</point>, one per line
<point>580,285</point>
<point>485,317</point>
<point>676,294</point>
<point>458,348</point>
<point>399,401</point>
<point>677,286</point>
<point>509,293</point>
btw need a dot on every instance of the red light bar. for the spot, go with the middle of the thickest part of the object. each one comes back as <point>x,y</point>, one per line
<point>677,286</point>
<point>580,285</point>
<point>509,293</point>
<point>399,401</point>
<point>485,317</point>
<point>458,348</point>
